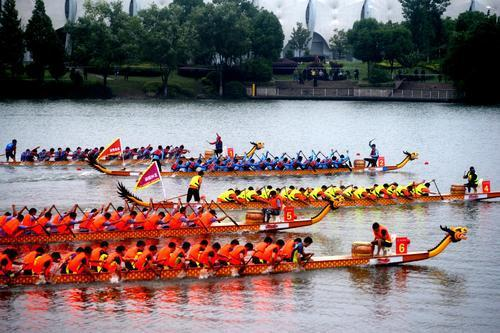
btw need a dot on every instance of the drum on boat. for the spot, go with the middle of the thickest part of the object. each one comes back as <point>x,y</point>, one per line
<point>359,164</point>
<point>254,217</point>
<point>209,154</point>
<point>361,249</point>
<point>457,189</point>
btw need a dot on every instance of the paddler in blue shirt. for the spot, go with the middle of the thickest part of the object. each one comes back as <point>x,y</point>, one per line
<point>10,150</point>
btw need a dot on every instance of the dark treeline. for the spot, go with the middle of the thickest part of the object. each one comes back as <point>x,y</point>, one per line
<point>240,41</point>
<point>226,34</point>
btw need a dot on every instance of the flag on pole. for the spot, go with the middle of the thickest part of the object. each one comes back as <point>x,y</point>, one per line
<point>149,177</point>
<point>113,149</point>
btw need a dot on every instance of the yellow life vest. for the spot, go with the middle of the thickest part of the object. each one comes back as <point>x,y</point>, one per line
<point>419,188</point>
<point>315,193</point>
<point>348,192</point>
<point>226,196</point>
<point>243,194</point>
<point>469,178</point>
<point>359,192</point>
<point>195,182</point>
<point>249,194</point>
<point>391,189</point>
<point>377,190</point>
<point>400,189</point>
<point>265,193</point>
<point>292,194</point>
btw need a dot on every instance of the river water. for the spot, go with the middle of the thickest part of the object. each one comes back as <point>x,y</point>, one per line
<point>458,290</point>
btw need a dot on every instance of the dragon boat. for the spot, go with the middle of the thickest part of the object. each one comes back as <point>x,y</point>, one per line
<point>119,162</point>
<point>223,228</point>
<point>260,173</point>
<point>453,235</point>
<point>124,193</point>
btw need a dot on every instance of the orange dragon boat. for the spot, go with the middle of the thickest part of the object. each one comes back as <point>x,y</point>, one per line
<point>118,162</point>
<point>124,193</point>
<point>358,168</point>
<point>453,235</point>
<point>250,227</point>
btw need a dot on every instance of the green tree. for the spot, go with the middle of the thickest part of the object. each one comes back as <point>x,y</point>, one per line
<point>165,40</point>
<point>395,42</point>
<point>424,21</point>
<point>472,58</point>
<point>267,37</point>
<point>105,37</point>
<point>11,42</point>
<point>300,38</point>
<point>42,42</point>
<point>365,39</point>
<point>187,7</point>
<point>339,43</point>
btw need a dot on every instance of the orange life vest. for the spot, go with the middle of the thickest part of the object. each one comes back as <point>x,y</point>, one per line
<point>7,267</point>
<point>236,254</point>
<point>11,227</point>
<point>378,235</point>
<point>132,253</point>
<point>98,223</point>
<point>29,220</point>
<point>87,221</point>
<point>225,252</point>
<point>40,262</point>
<point>270,253</point>
<point>143,259</point>
<point>260,249</point>
<point>3,220</point>
<point>176,222</point>
<point>173,262</point>
<point>29,260</point>
<point>122,225</point>
<point>195,251</point>
<point>111,264</point>
<point>205,259</point>
<point>286,251</point>
<point>163,256</point>
<point>151,222</point>
<point>38,229</point>
<point>274,202</point>
<point>206,219</point>
<point>95,257</point>
<point>77,264</point>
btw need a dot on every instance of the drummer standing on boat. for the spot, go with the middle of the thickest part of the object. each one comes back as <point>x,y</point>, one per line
<point>218,145</point>
<point>372,161</point>
<point>472,180</point>
<point>194,187</point>
<point>10,150</point>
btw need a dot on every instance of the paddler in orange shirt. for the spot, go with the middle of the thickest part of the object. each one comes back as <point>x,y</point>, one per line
<point>239,253</point>
<point>133,253</point>
<point>98,256</point>
<point>209,257</point>
<point>271,254</point>
<point>146,259</point>
<point>29,260</point>
<point>163,255</point>
<point>225,252</point>
<point>179,256</point>
<point>114,261</point>
<point>260,248</point>
<point>382,238</point>
<point>195,252</point>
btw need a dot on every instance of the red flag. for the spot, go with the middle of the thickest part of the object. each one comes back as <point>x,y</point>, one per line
<point>149,177</point>
<point>114,149</point>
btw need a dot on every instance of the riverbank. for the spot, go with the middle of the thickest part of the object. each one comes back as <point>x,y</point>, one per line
<point>140,88</point>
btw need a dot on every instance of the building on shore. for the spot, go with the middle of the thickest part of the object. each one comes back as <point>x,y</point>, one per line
<point>321,17</point>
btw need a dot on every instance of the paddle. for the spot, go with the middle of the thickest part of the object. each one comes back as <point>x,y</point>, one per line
<point>68,228</point>
<point>242,268</point>
<point>204,226</point>
<point>223,211</point>
<point>437,188</point>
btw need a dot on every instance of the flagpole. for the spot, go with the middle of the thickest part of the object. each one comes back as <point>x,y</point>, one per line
<point>162,186</point>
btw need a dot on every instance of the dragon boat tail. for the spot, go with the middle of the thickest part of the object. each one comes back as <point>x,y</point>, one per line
<point>453,235</point>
